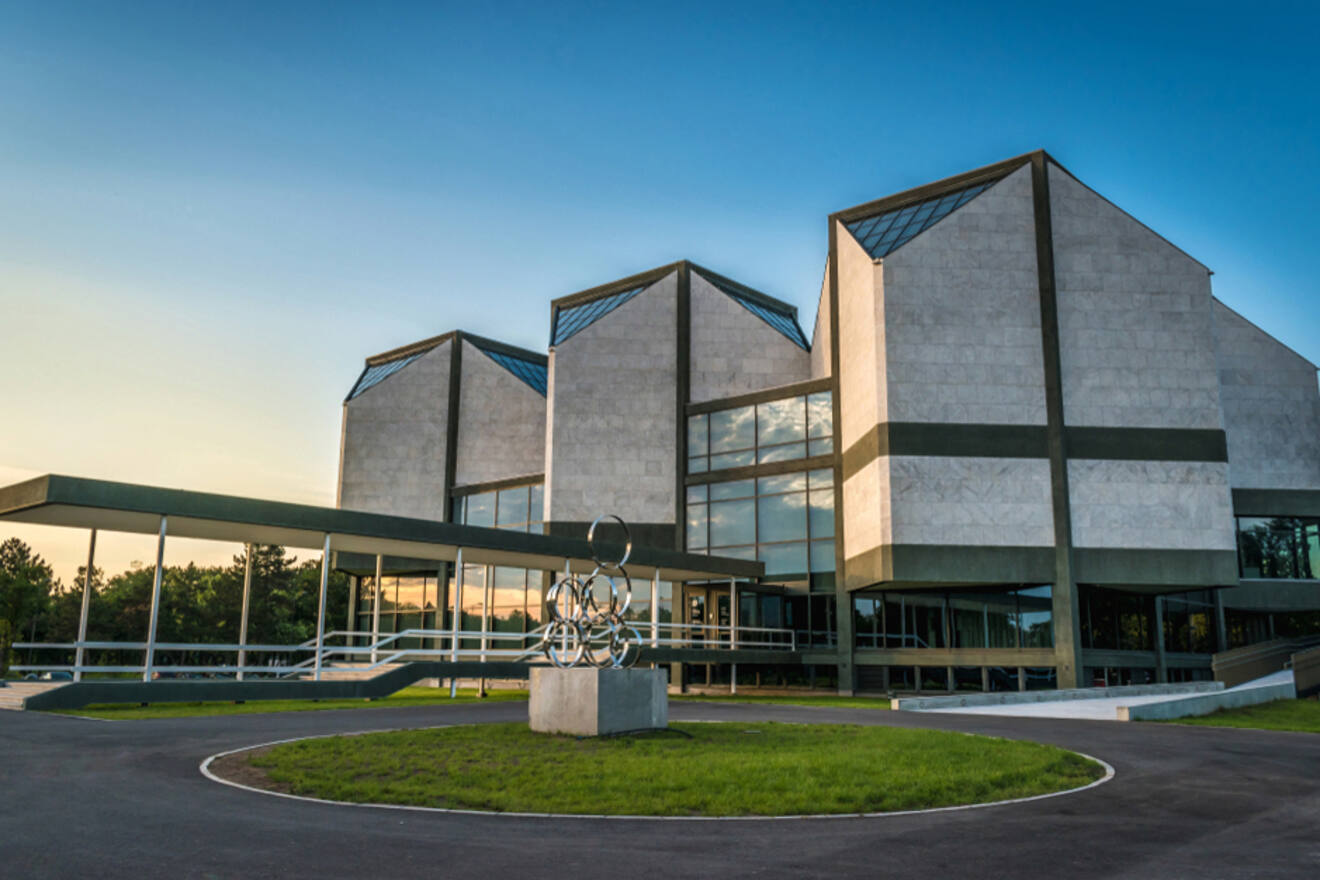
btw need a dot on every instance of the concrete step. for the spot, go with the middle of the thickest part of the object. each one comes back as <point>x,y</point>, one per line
<point>15,692</point>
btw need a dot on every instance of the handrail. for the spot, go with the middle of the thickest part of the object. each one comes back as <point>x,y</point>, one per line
<point>679,635</point>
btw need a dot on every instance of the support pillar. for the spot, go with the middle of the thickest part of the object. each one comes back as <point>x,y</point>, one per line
<point>486,587</point>
<point>86,607</point>
<point>457,623</point>
<point>1161,664</point>
<point>655,609</point>
<point>375,608</point>
<point>1221,628</point>
<point>243,616</point>
<point>155,603</point>
<point>733,633</point>
<point>320,614</point>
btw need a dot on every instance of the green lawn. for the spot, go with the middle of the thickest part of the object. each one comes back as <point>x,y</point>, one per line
<point>1300,715</point>
<point>689,770</point>
<point>831,700</point>
<point>412,696</point>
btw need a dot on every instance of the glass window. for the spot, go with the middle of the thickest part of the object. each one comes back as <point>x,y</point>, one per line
<point>820,414</point>
<point>781,421</point>
<point>481,510</point>
<point>1036,617</point>
<point>732,522</point>
<point>735,489</point>
<point>780,559</point>
<point>696,527</point>
<point>536,508</point>
<point>513,505</point>
<point>788,429</point>
<point>1279,547</point>
<point>698,435</point>
<point>782,518</point>
<point>733,429</point>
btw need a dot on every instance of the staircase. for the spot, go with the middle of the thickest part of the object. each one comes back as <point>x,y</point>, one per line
<point>15,692</point>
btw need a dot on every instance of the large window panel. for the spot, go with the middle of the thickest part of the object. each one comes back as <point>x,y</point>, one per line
<point>732,522</point>
<point>788,429</point>
<point>733,429</point>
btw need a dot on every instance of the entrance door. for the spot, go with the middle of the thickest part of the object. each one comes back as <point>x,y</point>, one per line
<point>708,607</point>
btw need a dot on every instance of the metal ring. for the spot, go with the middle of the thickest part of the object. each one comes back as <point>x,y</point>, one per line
<point>627,550</point>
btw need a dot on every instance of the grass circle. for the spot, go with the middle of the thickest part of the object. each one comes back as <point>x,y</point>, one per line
<point>693,769</point>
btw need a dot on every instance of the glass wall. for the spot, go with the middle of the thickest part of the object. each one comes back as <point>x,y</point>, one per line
<point>785,521</point>
<point>1114,620</point>
<point>1189,623</point>
<point>513,595</point>
<point>1279,547</point>
<point>778,430</point>
<point>406,602</point>
<point>1019,618</point>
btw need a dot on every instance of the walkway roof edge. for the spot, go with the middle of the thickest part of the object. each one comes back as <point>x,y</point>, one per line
<point>125,507</point>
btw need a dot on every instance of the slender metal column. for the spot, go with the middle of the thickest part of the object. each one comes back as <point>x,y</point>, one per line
<point>486,587</point>
<point>86,606</point>
<point>155,604</point>
<point>320,614</point>
<point>375,607</point>
<point>456,622</point>
<point>733,633</point>
<point>1161,663</point>
<point>655,609</point>
<point>243,618</point>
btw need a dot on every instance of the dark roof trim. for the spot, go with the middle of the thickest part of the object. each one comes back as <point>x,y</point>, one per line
<point>933,190</point>
<point>642,279</point>
<point>495,485</point>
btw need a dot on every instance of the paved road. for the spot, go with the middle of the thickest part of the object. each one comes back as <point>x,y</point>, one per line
<point>83,798</point>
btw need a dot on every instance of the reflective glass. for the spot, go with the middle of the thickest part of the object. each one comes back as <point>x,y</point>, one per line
<point>784,558</point>
<point>784,320</point>
<point>820,414</point>
<point>374,375</point>
<point>732,459</point>
<point>697,494</point>
<point>536,508</point>
<point>782,483</point>
<point>698,465</point>
<point>732,429</point>
<point>880,234</point>
<point>734,489</point>
<point>782,518</point>
<point>513,506</point>
<point>820,478</point>
<point>698,433</point>
<point>781,421</point>
<point>732,522</point>
<point>696,527</point>
<point>534,373</point>
<point>822,556</point>
<point>822,446</point>
<point>822,513</point>
<point>786,452</point>
<point>481,510</point>
<point>573,319</point>
<point>1035,617</point>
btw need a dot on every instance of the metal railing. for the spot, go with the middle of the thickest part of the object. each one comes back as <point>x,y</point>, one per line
<point>387,650</point>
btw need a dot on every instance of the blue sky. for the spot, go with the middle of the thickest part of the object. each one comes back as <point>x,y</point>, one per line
<point>214,211</point>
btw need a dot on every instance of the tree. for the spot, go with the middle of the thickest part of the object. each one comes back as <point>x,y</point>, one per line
<point>26,583</point>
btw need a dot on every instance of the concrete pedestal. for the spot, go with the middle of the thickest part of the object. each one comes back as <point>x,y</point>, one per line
<point>593,702</point>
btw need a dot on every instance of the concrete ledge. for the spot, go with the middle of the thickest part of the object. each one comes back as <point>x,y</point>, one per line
<point>1010,698</point>
<point>1207,703</point>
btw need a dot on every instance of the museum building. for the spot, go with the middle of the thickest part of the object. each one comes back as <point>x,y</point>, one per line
<point>1023,446</point>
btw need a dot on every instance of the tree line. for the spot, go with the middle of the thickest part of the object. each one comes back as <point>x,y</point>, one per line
<point>198,604</point>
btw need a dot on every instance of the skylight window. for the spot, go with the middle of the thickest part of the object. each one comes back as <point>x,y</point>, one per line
<point>782,320</point>
<point>573,319</point>
<point>531,372</point>
<point>882,234</point>
<point>377,373</point>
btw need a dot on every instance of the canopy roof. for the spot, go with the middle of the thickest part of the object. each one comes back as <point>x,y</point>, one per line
<point>124,507</point>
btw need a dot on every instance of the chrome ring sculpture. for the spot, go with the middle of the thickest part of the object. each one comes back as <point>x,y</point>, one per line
<point>584,630</point>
